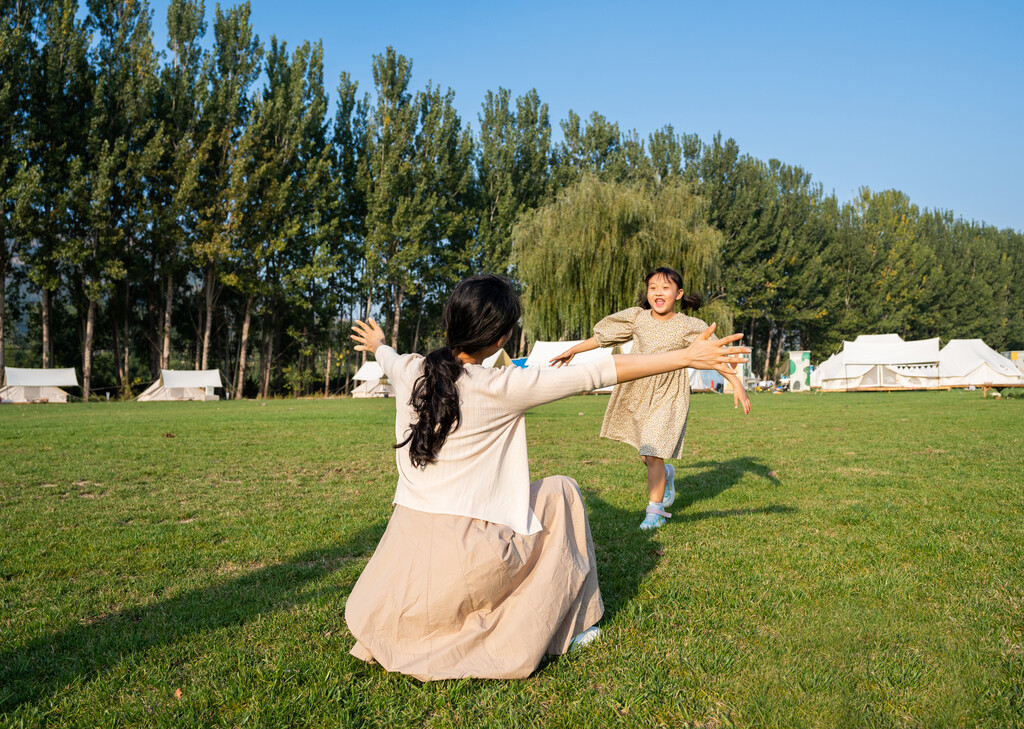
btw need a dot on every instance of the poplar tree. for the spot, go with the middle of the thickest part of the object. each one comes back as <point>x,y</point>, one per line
<point>281,193</point>
<point>415,177</point>
<point>19,182</point>
<point>512,171</point>
<point>175,188</point>
<point>592,148</point>
<point>63,84</point>
<point>233,67</point>
<point>124,145</point>
<point>347,246</point>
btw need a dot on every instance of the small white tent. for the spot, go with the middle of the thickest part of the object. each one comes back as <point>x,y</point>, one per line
<point>23,384</point>
<point>498,359</point>
<point>967,362</point>
<point>372,381</point>
<point>183,385</point>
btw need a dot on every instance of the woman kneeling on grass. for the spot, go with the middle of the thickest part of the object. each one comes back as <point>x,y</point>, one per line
<point>480,573</point>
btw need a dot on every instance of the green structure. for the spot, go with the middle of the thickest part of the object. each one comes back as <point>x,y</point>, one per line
<point>800,371</point>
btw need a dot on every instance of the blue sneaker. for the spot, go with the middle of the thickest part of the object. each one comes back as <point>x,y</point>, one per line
<point>670,486</point>
<point>654,518</point>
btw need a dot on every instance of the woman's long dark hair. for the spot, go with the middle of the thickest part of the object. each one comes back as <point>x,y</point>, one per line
<point>480,311</point>
<point>689,301</point>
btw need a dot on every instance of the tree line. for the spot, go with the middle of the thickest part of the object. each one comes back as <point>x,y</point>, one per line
<point>196,207</point>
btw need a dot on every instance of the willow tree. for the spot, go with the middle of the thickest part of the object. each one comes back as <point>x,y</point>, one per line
<point>584,255</point>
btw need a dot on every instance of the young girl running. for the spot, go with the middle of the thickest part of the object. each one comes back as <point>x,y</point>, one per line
<point>481,572</point>
<point>650,414</point>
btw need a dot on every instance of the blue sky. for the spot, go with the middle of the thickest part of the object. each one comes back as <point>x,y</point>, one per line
<point>924,97</point>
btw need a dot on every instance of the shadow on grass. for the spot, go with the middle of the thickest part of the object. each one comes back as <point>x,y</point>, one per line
<point>83,651</point>
<point>625,554</point>
<point>707,479</point>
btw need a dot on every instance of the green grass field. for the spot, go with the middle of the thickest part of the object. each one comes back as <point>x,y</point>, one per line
<point>850,560</point>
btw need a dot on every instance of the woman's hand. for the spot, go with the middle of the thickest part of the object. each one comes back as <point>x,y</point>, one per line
<point>368,336</point>
<point>563,359</point>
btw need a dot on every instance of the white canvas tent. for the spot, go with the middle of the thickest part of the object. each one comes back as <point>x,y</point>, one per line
<point>23,384</point>
<point>880,362</point>
<point>372,381</point>
<point>498,359</point>
<point>706,380</point>
<point>967,362</point>
<point>183,385</point>
<point>542,352</point>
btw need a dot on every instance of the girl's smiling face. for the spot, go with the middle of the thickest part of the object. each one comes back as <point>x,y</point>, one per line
<point>662,295</point>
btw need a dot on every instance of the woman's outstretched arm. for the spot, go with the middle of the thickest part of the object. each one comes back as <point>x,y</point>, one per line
<point>704,354</point>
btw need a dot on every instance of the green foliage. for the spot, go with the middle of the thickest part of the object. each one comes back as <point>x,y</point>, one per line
<point>512,171</point>
<point>182,205</point>
<point>585,254</point>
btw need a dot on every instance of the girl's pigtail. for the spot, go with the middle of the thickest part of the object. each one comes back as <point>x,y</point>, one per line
<point>435,399</point>
<point>690,301</point>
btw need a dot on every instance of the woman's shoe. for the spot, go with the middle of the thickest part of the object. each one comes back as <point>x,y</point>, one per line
<point>670,486</point>
<point>584,639</point>
<point>654,518</point>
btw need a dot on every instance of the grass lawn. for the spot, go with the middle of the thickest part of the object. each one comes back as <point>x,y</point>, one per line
<point>840,560</point>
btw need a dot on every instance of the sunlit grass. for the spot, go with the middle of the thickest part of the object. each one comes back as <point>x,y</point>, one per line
<point>834,560</point>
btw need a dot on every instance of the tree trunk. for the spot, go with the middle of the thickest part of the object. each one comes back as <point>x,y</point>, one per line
<point>244,346</point>
<point>208,324</point>
<point>366,316</point>
<point>3,308</point>
<point>124,354</point>
<point>45,316</point>
<point>90,322</point>
<point>399,294</point>
<point>265,379</point>
<point>327,374</point>
<point>778,351</point>
<point>767,353</point>
<point>522,342</point>
<point>416,335</point>
<point>165,349</point>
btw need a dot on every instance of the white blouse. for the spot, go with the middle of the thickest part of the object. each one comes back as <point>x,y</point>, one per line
<point>482,470</point>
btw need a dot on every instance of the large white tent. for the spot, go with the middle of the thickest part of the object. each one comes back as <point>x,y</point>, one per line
<point>886,362</point>
<point>372,381</point>
<point>183,385</point>
<point>967,362</point>
<point>24,384</point>
<point>880,362</point>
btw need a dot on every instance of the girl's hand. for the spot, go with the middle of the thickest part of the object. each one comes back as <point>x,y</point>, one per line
<point>563,359</point>
<point>739,397</point>
<point>368,336</point>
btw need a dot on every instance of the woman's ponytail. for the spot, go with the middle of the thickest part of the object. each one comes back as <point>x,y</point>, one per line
<point>435,398</point>
<point>480,311</point>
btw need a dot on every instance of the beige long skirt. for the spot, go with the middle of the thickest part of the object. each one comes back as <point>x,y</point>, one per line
<point>453,597</point>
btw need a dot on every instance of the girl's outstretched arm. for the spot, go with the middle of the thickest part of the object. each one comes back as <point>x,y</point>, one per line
<point>566,357</point>
<point>703,354</point>
<point>739,393</point>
